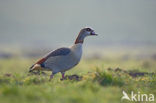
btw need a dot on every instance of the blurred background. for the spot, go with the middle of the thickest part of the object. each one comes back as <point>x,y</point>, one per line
<point>121,57</point>
<point>34,27</point>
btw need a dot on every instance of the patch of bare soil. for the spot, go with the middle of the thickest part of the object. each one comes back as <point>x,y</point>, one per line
<point>131,73</point>
<point>137,74</point>
<point>37,73</point>
<point>8,75</point>
<point>72,77</point>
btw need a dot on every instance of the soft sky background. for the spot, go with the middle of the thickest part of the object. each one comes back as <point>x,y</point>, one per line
<point>57,22</point>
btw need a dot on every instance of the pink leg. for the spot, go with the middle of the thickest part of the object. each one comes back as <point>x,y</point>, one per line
<point>63,73</point>
<point>51,77</point>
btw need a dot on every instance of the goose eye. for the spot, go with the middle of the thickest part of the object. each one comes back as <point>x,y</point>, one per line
<point>88,29</point>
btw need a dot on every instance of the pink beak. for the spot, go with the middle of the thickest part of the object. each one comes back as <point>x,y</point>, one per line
<point>93,33</point>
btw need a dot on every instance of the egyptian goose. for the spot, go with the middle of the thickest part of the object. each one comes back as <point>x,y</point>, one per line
<point>63,59</point>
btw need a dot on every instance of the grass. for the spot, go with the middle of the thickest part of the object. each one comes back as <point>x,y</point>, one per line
<point>97,85</point>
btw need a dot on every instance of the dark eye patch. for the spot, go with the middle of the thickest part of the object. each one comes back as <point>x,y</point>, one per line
<point>88,29</point>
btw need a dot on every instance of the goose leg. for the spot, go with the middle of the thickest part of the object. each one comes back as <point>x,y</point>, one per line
<point>51,76</point>
<point>63,73</point>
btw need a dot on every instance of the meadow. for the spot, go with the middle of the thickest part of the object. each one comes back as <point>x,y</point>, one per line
<point>94,80</point>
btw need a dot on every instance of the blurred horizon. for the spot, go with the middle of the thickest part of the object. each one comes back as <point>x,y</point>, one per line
<point>49,23</point>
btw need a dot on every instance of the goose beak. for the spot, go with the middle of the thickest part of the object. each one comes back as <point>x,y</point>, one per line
<point>93,33</point>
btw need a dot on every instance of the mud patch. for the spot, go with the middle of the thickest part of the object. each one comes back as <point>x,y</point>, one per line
<point>37,73</point>
<point>7,75</point>
<point>131,73</point>
<point>137,74</point>
<point>72,77</point>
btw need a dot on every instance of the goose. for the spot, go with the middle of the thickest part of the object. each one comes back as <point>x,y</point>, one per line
<point>63,59</point>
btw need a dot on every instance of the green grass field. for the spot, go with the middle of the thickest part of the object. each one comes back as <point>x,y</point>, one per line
<point>97,81</point>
